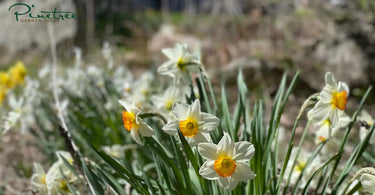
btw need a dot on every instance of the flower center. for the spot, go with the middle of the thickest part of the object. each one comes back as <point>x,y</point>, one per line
<point>129,120</point>
<point>168,105</point>
<point>300,166</point>
<point>224,166</point>
<point>339,100</point>
<point>64,187</point>
<point>180,64</point>
<point>43,180</point>
<point>189,127</point>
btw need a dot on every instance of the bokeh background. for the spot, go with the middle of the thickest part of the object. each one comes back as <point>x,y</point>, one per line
<point>264,38</point>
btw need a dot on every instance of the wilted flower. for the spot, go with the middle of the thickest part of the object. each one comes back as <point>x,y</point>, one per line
<point>368,182</point>
<point>300,165</point>
<point>193,124</point>
<point>134,123</point>
<point>332,101</point>
<point>227,162</point>
<point>180,63</point>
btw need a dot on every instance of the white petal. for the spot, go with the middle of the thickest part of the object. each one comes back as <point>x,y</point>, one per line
<point>168,68</point>
<point>208,122</point>
<point>226,144</point>
<point>334,117</point>
<point>326,94</point>
<point>243,151</point>
<point>368,182</point>
<point>171,127</point>
<point>126,103</point>
<point>227,183</point>
<point>208,150</point>
<point>169,52</point>
<point>207,170</point>
<point>195,109</point>
<point>243,172</point>
<point>198,138</point>
<point>343,87</point>
<point>321,111</point>
<point>145,130</point>
<point>135,135</point>
<point>180,109</point>
<point>330,80</point>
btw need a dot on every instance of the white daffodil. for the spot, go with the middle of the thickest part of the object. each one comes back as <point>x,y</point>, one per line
<point>134,123</point>
<point>367,118</point>
<point>56,184</point>
<point>300,165</point>
<point>165,101</point>
<point>193,124</point>
<point>227,162</point>
<point>38,179</point>
<point>325,130</point>
<point>368,182</point>
<point>11,119</point>
<point>332,101</point>
<point>115,150</point>
<point>180,63</point>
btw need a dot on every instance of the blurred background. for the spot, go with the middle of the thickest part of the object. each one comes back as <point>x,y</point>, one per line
<point>264,38</point>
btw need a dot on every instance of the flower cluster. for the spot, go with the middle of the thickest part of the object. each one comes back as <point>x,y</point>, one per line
<point>226,162</point>
<point>10,79</point>
<point>57,179</point>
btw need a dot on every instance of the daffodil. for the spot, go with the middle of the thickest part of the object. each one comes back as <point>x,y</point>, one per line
<point>180,63</point>
<point>5,80</point>
<point>133,123</point>
<point>115,150</point>
<point>368,182</point>
<point>367,118</point>
<point>300,165</point>
<point>332,101</point>
<point>193,124</point>
<point>38,179</point>
<point>17,73</point>
<point>165,101</point>
<point>227,162</point>
<point>325,130</point>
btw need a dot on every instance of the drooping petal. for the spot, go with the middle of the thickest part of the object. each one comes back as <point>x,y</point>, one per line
<point>208,150</point>
<point>227,183</point>
<point>198,138</point>
<point>207,170</point>
<point>243,151</point>
<point>321,111</point>
<point>171,127</point>
<point>326,94</point>
<point>208,122</point>
<point>145,130</point>
<point>243,172</point>
<point>135,135</point>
